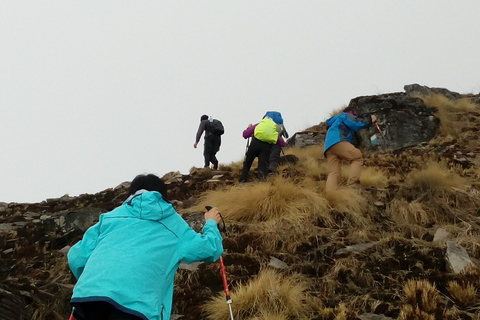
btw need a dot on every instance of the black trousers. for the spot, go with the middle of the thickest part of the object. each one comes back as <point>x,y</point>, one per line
<point>274,157</point>
<point>100,310</point>
<point>210,149</point>
<point>256,149</point>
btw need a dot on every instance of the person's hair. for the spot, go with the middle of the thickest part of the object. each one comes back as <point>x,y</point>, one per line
<point>350,110</point>
<point>149,182</point>
<point>204,117</point>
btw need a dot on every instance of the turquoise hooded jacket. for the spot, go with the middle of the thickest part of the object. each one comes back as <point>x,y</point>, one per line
<point>130,257</point>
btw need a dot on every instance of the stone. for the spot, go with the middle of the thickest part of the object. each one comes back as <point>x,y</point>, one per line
<point>277,263</point>
<point>457,257</point>
<point>440,236</point>
<point>356,248</point>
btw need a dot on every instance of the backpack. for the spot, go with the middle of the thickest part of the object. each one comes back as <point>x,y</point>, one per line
<point>216,127</point>
<point>266,131</point>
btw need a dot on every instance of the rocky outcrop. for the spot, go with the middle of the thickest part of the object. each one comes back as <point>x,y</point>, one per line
<point>403,121</point>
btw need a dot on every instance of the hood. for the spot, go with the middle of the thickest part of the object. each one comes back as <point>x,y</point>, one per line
<point>275,116</point>
<point>332,120</point>
<point>149,205</point>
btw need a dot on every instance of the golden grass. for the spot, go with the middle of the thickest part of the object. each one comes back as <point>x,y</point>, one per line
<point>315,151</point>
<point>286,234</point>
<point>374,177</point>
<point>337,111</point>
<point>264,201</point>
<point>446,110</point>
<point>409,312</point>
<point>421,295</point>
<point>434,178</point>
<point>351,203</point>
<point>270,295</point>
<point>406,213</point>
<point>463,295</point>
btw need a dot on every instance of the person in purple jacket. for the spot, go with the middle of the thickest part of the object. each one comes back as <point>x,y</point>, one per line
<point>257,149</point>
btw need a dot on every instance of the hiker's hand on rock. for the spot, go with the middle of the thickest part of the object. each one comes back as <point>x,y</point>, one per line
<point>374,118</point>
<point>213,214</point>
<point>195,146</point>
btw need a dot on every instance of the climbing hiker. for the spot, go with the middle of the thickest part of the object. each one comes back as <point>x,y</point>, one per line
<point>126,263</point>
<point>338,146</point>
<point>276,149</point>
<point>213,130</point>
<point>264,134</point>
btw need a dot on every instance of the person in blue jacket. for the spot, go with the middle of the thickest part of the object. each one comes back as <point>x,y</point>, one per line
<point>338,146</point>
<point>126,263</point>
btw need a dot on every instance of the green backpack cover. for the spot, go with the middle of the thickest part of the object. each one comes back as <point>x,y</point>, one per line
<point>266,131</point>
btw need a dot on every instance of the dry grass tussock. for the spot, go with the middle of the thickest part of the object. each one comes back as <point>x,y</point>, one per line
<point>435,178</point>
<point>463,295</point>
<point>446,109</point>
<point>270,295</point>
<point>403,212</point>
<point>374,177</point>
<point>286,234</point>
<point>421,295</point>
<point>350,204</point>
<point>264,201</point>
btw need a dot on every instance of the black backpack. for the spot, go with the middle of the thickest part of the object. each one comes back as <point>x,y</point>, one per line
<point>216,127</point>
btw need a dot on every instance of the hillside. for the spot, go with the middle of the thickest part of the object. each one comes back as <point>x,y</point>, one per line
<point>403,245</point>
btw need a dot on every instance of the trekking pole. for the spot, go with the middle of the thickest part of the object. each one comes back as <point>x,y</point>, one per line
<point>224,274</point>
<point>248,145</point>
<point>71,316</point>
<point>386,146</point>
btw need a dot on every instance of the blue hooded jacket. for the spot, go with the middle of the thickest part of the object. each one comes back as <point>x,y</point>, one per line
<point>341,127</point>
<point>130,257</point>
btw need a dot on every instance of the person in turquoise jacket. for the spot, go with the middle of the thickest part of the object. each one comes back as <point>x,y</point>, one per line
<point>126,263</point>
<point>338,146</point>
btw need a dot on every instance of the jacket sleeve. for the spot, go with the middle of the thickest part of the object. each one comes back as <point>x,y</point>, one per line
<point>247,133</point>
<point>281,142</point>
<point>205,247</point>
<point>200,130</point>
<point>354,123</point>
<point>81,251</point>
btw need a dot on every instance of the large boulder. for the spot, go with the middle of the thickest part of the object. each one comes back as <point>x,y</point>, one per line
<point>403,121</point>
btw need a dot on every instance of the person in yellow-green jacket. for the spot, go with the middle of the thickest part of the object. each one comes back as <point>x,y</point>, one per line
<point>126,263</point>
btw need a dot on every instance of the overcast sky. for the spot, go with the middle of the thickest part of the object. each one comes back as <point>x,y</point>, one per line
<point>93,93</point>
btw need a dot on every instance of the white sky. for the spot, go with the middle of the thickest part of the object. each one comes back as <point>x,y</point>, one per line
<point>93,93</point>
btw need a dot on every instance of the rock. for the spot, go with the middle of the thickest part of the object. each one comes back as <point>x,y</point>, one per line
<point>457,257</point>
<point>404,121</point>
<point>277,263</point>
<point>189,266</point>
<point>13,306</point>
<point>356,248</point>
<point>80,219</point>
<point>64,250</point>
<point>416,89</point>
<point>440,236</point>
<point>303,139</point>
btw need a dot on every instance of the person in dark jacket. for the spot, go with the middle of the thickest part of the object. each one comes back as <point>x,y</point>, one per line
<point>126,263</point>
<point>212,142</point>
<point>338,146</point>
